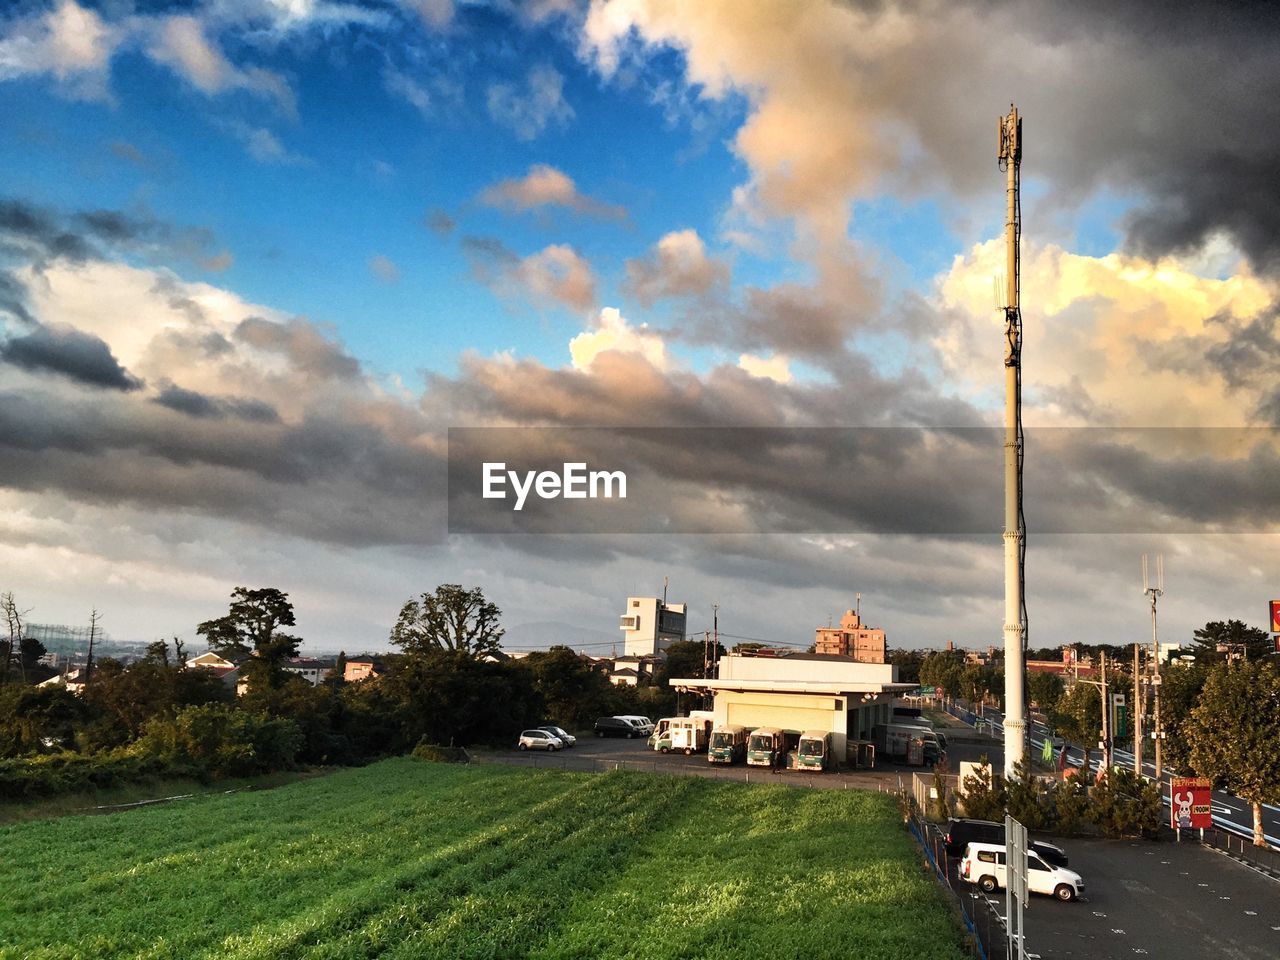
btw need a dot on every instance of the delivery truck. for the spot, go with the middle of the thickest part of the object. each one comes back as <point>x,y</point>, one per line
<point>728,744</point>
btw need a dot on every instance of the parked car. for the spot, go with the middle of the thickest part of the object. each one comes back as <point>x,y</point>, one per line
<point>984,864</point>
<point>539,740</point>
<point>616,727</point>
<point>567,738</point>
<point>643,724</point>
<point>961,832</point>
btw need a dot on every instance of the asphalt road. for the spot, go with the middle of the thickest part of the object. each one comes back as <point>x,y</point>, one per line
<point>1160,900</point>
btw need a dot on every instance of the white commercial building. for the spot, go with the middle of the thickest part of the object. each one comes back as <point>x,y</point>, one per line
<point>803,692</point>
<point>650,625</point>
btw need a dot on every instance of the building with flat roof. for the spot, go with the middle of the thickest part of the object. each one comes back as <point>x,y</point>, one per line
<point>803,691</point>
<point>649,625</point>
<point>852,639</point>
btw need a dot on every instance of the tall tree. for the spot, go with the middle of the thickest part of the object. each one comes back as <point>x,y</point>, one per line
<point>450,619</point>
<point>252,628</point>
<point>1237,637</point>
<point>1234,734</point>
<point>13,645</point>
<point>1044,689</point>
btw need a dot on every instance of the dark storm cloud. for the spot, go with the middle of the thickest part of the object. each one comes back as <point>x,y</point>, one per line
<point>333,480</point>
<point>13,299</point>
<point>202,406</point>
<point>306,348</point>
<point>69,353</point>
<point>39,234</point>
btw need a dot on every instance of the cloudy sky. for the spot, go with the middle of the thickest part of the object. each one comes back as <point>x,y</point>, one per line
<point>257,257</point>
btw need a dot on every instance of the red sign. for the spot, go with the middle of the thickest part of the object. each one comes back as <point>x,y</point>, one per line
<point>1275,616</point>
<point>1189,802</point>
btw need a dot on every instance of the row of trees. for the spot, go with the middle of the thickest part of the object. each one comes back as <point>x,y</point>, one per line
<point>448,683</point>
<point>1219,704</point>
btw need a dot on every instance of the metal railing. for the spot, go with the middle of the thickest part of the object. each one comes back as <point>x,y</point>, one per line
<point>980,915</point>
<point>1263,859</point>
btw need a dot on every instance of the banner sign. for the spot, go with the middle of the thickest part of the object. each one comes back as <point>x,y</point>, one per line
<point>1275,616</point>
<point>1189,803</point>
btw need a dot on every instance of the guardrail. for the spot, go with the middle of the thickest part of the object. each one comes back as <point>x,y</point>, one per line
<point>979,915</point>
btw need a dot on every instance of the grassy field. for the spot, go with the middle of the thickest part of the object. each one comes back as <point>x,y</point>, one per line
<point>409,859</point>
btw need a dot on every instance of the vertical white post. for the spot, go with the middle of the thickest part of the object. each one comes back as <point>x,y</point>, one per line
<point>1010,156</point>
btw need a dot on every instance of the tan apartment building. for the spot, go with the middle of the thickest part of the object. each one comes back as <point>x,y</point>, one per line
<point>852,639</point>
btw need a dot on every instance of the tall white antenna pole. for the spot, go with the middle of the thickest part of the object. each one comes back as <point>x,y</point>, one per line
<point>1015,724</point>
<point>1155,591</point>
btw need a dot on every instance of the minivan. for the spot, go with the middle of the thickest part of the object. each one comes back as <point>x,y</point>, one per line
<point>961,832</point>
<point>984,864</point>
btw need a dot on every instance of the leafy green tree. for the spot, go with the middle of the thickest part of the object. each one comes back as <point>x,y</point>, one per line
<point>1180,690</point>
<point>252,628</point>
<point>984,793</point>
<point>451,619</point>
<point>908,663</point>
<point>452,699</point>
<point>1077,716</point>
<point>686,658</point>
<point>574,692</point>
<point>1237,636</point>
<point>1044,689</point>
<point>1234,734</point>
<point>38,720</point>
<point>943,669</point>
<point>1025,800</point>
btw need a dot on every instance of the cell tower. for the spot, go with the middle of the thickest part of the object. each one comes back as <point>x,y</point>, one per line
<point>1154,590</point>
<point>1015,540</point>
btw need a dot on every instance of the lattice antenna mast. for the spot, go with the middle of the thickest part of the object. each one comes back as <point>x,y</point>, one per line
<point>1155,590</point>
<point>1015,543</point>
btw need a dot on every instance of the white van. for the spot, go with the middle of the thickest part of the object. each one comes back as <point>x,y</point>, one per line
<point>984,865</point>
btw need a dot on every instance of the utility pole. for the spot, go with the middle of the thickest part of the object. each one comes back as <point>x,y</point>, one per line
<point>1155,591</point>
<point>715,626</point>
<point>1106,717</point>
<point>1015,611</point>
<point>94,617</point>
<point>1137,713</point>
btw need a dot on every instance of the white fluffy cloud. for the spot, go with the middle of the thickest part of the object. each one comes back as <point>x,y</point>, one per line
<point>776,368</point>
<point>1107,340</point>
<point>613,333</point>
<point>677,265</point>
<point>71,42</point>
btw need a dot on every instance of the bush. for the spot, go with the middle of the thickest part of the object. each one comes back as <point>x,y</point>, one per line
<point>1026,800</point>
<point>33,778</point>
<point>1069,801</point>
<point>224,740</point>
<point>984,794</point>
<point>434,753</point>
<point>1125,805</point>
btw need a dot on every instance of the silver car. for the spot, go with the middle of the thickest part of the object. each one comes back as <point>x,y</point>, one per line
<point>539,740</point>
<point>568,739</point>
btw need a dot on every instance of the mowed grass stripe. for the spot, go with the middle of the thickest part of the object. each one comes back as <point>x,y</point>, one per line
<point>421,897</point>
<point>406,859</point>
<point>245,877</point>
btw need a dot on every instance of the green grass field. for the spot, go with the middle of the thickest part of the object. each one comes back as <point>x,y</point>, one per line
<point>410,859</point>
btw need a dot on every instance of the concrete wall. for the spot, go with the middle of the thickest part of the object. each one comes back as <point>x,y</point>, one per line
<point>800,668</point>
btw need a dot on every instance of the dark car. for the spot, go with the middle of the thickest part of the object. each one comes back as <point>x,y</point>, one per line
<point>616,727</point>
<point>961,832</point>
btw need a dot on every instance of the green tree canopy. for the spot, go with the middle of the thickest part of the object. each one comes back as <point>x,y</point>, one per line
<point>1044,689</point>
<point>450,619</point>
<point>1234,734</point>
<point>252,628</point>
<point>1236,635</point>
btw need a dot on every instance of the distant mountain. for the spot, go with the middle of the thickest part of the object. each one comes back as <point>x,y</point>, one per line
<point>547,633</point>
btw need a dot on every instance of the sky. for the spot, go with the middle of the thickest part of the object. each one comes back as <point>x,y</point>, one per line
<point>259,257</point>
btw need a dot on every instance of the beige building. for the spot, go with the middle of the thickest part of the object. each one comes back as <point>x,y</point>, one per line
<point>650,625</point>
<point>852,639</point>
<point>803,691</point>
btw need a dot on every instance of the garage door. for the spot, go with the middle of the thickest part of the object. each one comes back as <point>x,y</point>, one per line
<point>752,715</point>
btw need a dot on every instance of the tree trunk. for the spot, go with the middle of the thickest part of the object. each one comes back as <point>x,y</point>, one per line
<point>1259,835</point>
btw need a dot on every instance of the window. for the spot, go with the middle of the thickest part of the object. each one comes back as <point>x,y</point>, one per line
<point>1035,863</point>
<point>635,603</point>
<point>986,856</point>
<point>630,623</point>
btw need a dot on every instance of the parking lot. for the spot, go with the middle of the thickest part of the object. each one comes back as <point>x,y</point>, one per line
<point>596,754</point>
<point>1161,900</point>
